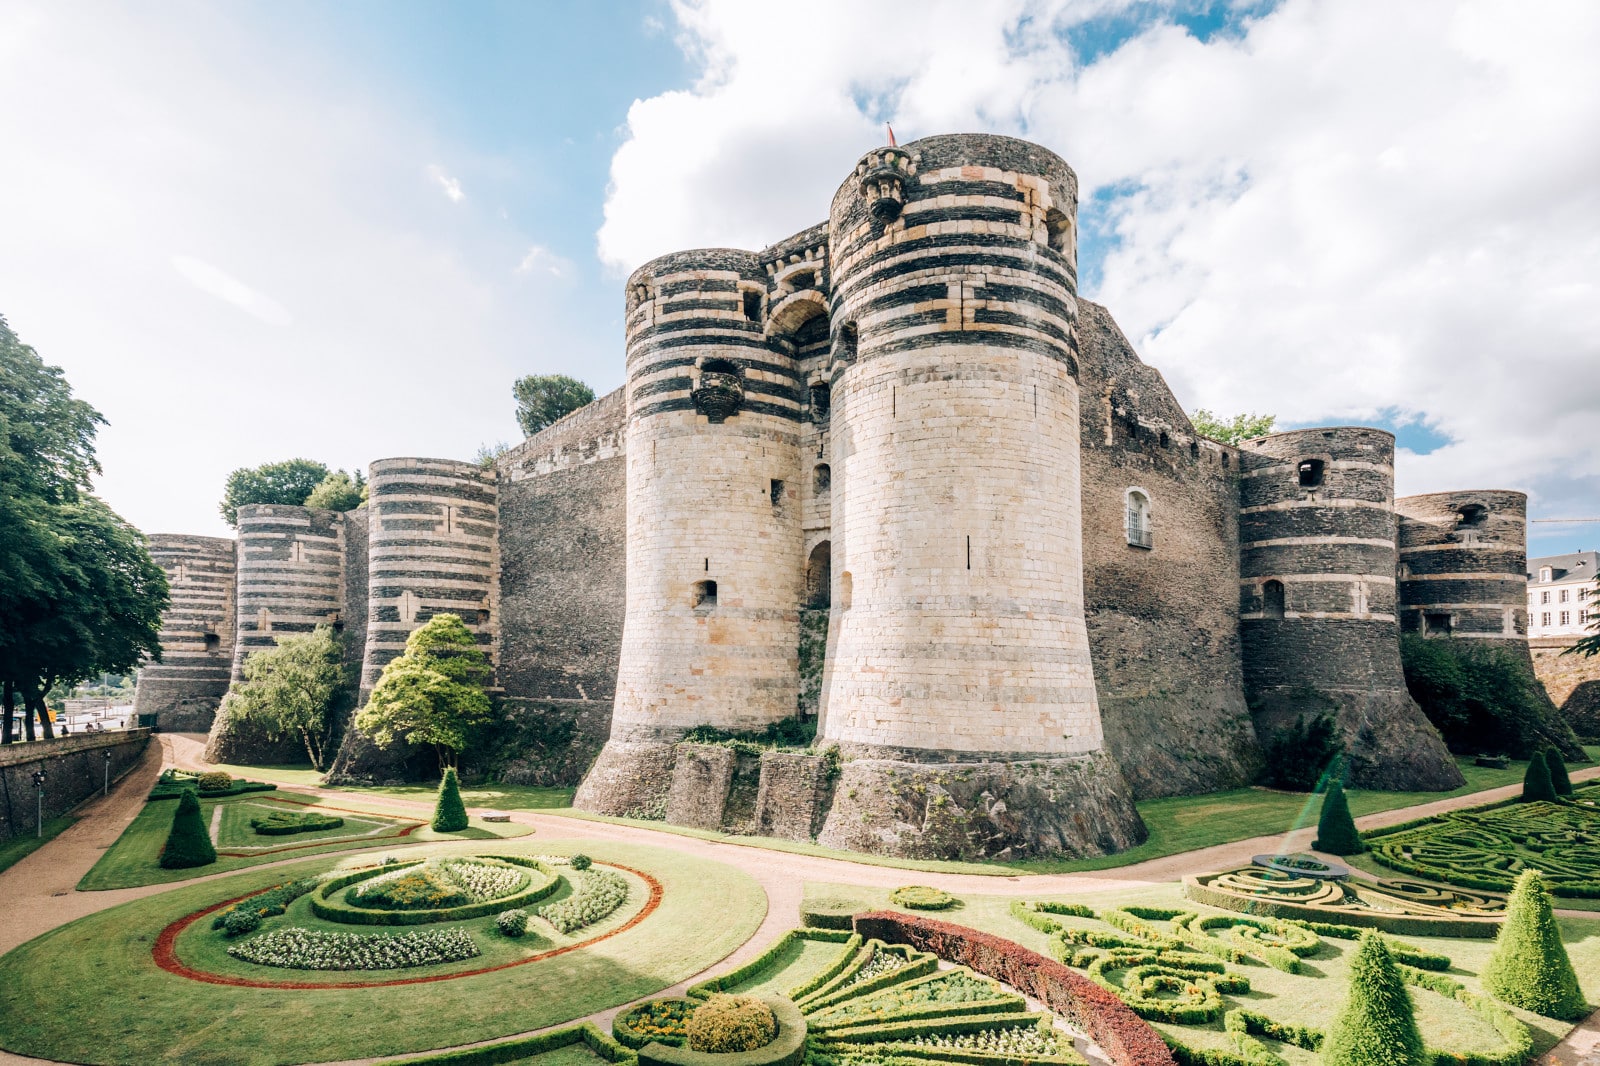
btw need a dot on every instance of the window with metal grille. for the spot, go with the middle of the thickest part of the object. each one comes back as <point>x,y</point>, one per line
<point>1139,531</point>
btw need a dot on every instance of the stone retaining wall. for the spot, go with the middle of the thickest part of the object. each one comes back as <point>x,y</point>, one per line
<point>75,769</point>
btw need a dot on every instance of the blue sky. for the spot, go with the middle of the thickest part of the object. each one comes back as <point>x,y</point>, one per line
<point>341,229</point>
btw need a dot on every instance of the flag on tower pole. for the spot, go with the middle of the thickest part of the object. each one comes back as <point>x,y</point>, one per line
<point>892,143</point>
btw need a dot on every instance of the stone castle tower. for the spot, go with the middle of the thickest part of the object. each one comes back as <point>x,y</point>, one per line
<point>894,477</point>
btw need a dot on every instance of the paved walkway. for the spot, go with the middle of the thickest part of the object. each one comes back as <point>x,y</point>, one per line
<point>39,890</point>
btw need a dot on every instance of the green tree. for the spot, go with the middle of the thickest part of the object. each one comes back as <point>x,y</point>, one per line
<point>1559,780</point>
<point>1536,783</point>
<point>543,399</point>
<point>339,491</point>
<point>1482,699</point>
<point>1377,1025</point>
<point>289,482</point>
<point>433,694</point>
<point>292,689</point>
<point>449,813</point>
<point>188,841</point>
<point>1336,830</point>
<point>1530,968</point>
<point>1589,645</point>
<point>1232,430</point>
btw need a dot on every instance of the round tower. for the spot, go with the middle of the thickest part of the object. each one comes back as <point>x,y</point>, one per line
<point>1318,624</point>
<point>714,568</point>
<point>958,659</point>
<point>197,640</point>
<point>291,575</point>
<point>432,549</point>
<point>1463,565</point>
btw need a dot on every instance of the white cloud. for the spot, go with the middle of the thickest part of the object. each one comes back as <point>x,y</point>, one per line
<point>229,289</point>
<point>1353,207</point>
<point>451,186</point>
<point>541,259</point>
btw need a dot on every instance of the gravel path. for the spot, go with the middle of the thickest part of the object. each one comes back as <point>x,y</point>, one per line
<point>39,890</point>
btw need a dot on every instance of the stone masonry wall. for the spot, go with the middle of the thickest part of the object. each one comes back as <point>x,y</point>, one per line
<point>197,633</point>
<point>75,769</point>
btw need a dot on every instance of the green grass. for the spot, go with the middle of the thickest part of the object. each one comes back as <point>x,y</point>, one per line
<point>16,849</point>
<point>493,795</point>
<point>132,861</point>
<point>107,1001</point>
<point>235,831</point>
<point>1310,998</point>
<point>1177,824</point>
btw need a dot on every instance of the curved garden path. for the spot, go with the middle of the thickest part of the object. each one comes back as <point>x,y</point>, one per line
<point>39,891</point>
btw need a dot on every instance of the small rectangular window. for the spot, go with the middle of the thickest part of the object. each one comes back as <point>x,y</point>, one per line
<point>1566,618</point>
<point>1564,595</point>
<point>1544,618</point>
<point>752,306</point>
<point>1436,624</point>
<point>1544,597</point>
<point>776,492</point>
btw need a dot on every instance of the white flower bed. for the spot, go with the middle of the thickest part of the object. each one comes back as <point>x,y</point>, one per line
<point>482,882</point>
<point>363,887</point>
<point>313,949</point>
<point>882,962</point>
<point>595,894</point>
<point>1020,1041</point>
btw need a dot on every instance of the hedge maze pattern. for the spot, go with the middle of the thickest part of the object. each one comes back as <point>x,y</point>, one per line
<point>1179,968</point>
<point>1406,907</point>
<point>1487,847</point>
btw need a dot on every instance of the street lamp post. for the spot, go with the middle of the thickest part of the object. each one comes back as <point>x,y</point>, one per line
<point>107,790</point>
<point>38,783</point>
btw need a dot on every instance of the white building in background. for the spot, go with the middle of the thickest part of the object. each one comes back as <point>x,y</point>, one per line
<point>1562,597</point>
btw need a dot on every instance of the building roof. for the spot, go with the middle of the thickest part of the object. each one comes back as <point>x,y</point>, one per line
<point>1574,567</point>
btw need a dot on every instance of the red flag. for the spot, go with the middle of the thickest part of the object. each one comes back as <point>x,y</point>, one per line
<point>892,142</point>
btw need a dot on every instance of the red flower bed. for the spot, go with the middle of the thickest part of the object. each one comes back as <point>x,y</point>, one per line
<point>1127,1038</point>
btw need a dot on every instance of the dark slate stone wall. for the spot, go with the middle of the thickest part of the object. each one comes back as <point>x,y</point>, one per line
<point>197,633</point>
<point>1163,626</point>
<point>75,770</point>
<point>1337,646</point>
<point>291,562</point>
<point>1464,558</point>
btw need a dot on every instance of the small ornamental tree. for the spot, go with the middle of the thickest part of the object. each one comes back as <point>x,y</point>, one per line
<point>1558,771</point>
<point>188,843</point>
<point>544,399</point>
<point>291,689</point>
<point>433,694</point>
<point>1536,784</point>
<point>1529,967</point>
<point>449,813</point>
<point>1377,1025</point>
<point>1336,830</point>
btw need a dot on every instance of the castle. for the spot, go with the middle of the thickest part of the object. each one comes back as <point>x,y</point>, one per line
<point>892,473</point>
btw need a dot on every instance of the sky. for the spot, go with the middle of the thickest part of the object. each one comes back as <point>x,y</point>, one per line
<point>341,230</point>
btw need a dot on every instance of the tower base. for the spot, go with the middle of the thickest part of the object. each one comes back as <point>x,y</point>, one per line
<point>630,779</point>
<point>1388,742</point>
<point>1075,806</point>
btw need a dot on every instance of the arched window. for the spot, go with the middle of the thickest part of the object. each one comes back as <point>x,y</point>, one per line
<point>1473,514</point>
<point>703,596</point>
<point>1272,599</point>
<point>821,479</point>
<point>1138,511</point>
<point>819,576</point>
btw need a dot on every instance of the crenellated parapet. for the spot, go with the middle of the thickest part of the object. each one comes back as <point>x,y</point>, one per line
<point>197,633</point>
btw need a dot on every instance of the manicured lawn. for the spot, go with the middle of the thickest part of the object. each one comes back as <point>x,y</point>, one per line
<point>109,1002</point>
<point>1310,998</point>
<point>1178,824</point>
<point>498,796</point>
<point>14,850</point>
<point>235,832</point>
<point>133,860</point>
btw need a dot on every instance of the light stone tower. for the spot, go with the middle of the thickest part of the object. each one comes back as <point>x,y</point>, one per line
<point>958,675</point>
<point>714,569</point>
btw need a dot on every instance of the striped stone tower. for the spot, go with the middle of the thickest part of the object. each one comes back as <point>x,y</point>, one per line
<point>197,639</point>
<point>432,549</point>
<point>291,575</point>
<point>714,565</point>
<point>1318,624</point>
<point>958,671</point>
<point>1463,565</point>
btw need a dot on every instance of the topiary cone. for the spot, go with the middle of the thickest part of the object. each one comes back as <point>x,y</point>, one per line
<point>1558,771</point>
<point>1336,830</point>
<point>1530,968</point>
<point>1536,783</point>
<point>1376,1026</point>
<point>188,842</point>
<point>449,813</point>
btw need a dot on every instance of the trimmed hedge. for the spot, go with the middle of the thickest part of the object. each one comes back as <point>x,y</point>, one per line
<point>743,973</point>
<point>1401,924</point>
<point>288,822</point>
<point>1558,771</point>
<point>188,841</point>
<point>1536,783</point>
<point>324,906</point>
<point>1377,1024</point>
<point>1127,1039</point>
<point>1530,968</point>
<point>922,898</point>
<point>1336,830</point>
<point>730,1025</point>
<point>449,813</point>
<point>171,787</point>
<point>845,985</point>
<point>852,950</point>
<point>527,1046</point>
<point>788,1048</point>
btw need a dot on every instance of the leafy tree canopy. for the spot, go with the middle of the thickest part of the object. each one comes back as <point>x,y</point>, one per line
<point>543,399</point>
<point>433,694</point>
<point>289,482</point>
<point>292,689</point>
<point>1232,430</point>
<point>1589,645</point>
<point>339,491</point>
<point>46,436</point>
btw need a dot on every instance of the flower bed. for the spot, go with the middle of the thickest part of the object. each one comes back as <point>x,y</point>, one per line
<point>662,1020</point>
<point>377,894</point>
<point>788,1048</point>
<point>315,949</point>
<point>284,823</point>
<point>596,894</point>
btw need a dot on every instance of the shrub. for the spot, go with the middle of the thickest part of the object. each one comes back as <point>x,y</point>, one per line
<point>1529,967</point>
<point>1336,830</point>
<point>661,1020</point>
<point>1536,783</point>
<point>268,904</point>
<point>282,823</point>
<point>1481,699</point>
<point>580,862</point>
<point>1297,757</point>
<point>1376,1026</point>
<point>214,782</point>
<point>239,921</point>
<point>922,898</point>
<point>726,1023</point>
<point>188,843</point>
<point>1558,771</point>
<point>596,895</point>
<point>512,923</point>
<point>449,813</point>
